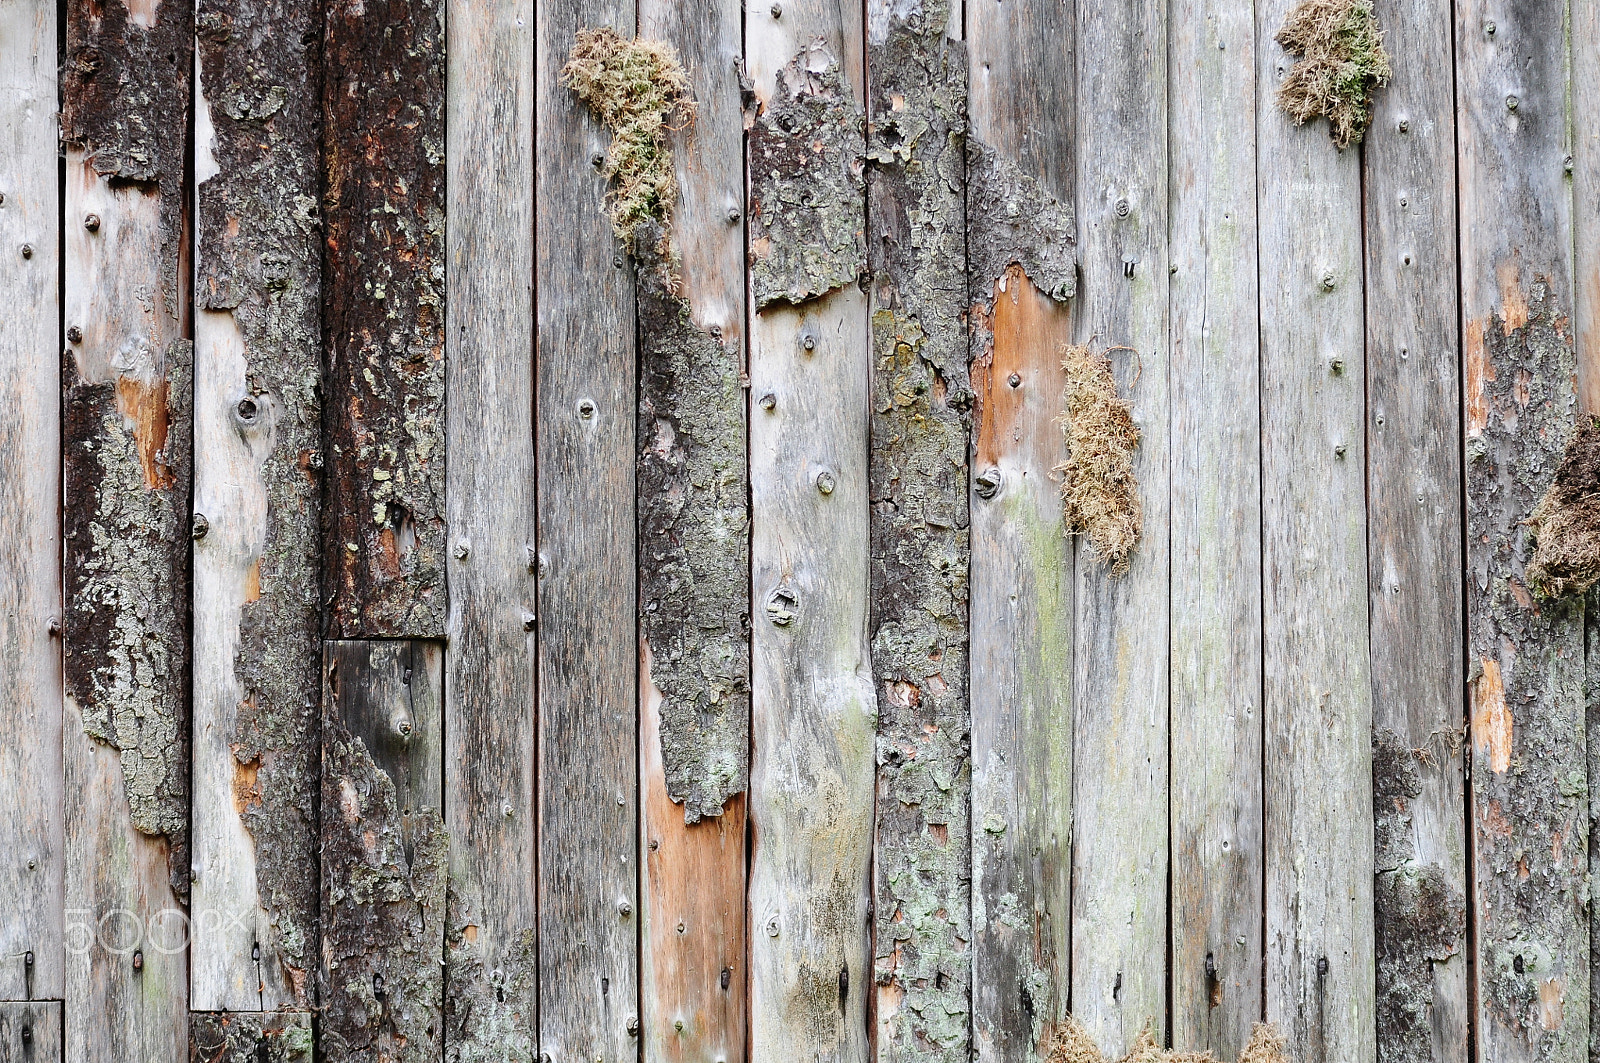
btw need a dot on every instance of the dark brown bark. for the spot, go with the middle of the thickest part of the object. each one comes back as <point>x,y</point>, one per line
<point>250,1037</point>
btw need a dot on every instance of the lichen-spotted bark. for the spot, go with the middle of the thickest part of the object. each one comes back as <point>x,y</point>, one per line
<point>921,406</point>
<point>259,259</point>
<point>694,552</point>
<point>250,1037</point>
<point>1526,667</point>
<point>1014,220</point>
<point>383,294</point>
<point>806,156</point>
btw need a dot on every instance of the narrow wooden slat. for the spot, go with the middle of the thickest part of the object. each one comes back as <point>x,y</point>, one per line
<point>275,1037</point>
<point>31,1032</point>
<point>917,486</point>
<point>1021,574</point>
<point>1119,870</point>
<point>384,852</point>
<point>32,868</point>
<point>1414,546</point>
<point>1318,690</point>
<point>1217,844</point>
<point>1525,654</point>
<point>694,570</point>
<point>1585,170</point>
<point>813,710</point>
<point>256,500</point>
<point>491,984</point>
<point>383,299</point>
<point>127,382</point>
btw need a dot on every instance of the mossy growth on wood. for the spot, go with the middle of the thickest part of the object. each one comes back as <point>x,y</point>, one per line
<point>1566,522</point>
<point>1341,61</point>
<point>640,92</point>
<point>1071,1043</point>
<point>1098,487</point>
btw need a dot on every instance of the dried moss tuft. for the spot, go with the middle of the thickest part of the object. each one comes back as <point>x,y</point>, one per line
<point>1341,62</point>
<point>1098,487</point>
<point>640,92</point>
<point>1566,522</point>
<point>1071,1043</point>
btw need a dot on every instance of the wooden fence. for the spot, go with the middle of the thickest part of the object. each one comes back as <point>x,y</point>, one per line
<point>434,628</point>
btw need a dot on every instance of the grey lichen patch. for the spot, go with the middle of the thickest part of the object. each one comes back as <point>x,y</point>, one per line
<point>1341,61</point>
<point>806,153</point>
<point>1071,1043</point>
<point>1396,782</point>
<point>489,1010</point>
<point>250,1037</point>
<point>1566,523</point>
<point>1421,922</point>
<point>1014,220</point>
<point>1099,492</point>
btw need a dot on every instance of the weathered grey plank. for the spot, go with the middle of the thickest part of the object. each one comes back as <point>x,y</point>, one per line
<point>30,1032</point>
<point>383,852</point>
<point>383,302</point>
<point>694,570</point>
<point>1585,170</point>
<point>270,1037</point>
<point>813,710</point>
<point>492,977</point>
<point>1414,544</point>
<point>1120,810</point>
<point>127,382</point>
<point>1021,567</point>
<point>1218,859</point>
<point>1318,688</point>
<point>32,868</point>
<point>917,486</point>
<point>1524,655</point>
<point>256,499</point>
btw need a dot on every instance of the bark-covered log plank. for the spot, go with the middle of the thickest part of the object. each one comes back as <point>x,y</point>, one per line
<point>383,852</point>
<point>813,711</point>
<point>491,985</point>
<point>383,299</point>
<point>1525,654</point>
<point>31,770</point>
<point>30,1032</point>
<point>243,1037</point>
<point>1414,546</point>
<point>1120,809</point>
<point>258,459</point>
<point>1021,268</point>
<point>1318,692</point>
<point>694,569</point>
<point>1217,844</point>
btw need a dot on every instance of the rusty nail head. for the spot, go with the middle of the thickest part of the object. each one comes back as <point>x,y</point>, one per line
<point>27,250</point>
<point>199,526</point>
<point>138,960</point>
<point>27,958</point>
<point>677,1024</point>
<point>586,408</point>
<point>32,863</point>
<point>1015,380</point>
<point>772,927</point>
<point>597,160</point>
<point>633,1026</point>
<point>809,342</point>
<point>624,909</point>
<point>2,199</point>
<point>1405,125</point>
<point>1568,163</point>
<point>506,810</point>
<point>777,10</point>
<point>54,626</point>
<point>528,621</point>
<point>733,215</point>
<point>1512,103</point>
<point>255,951</point>
<point>403,727</point>
<point>825,482</point>
<point>1322,966</point>
<point>74,334</point>
<point>1123,207</point>
<point>988,483</point>
<point>768,401</point>
<point>1340,451</point>
<point>682,928</point>
<point>1337,365</point>
<point>463,548</point>
<point>1329,282</point>
<point>1489,28</point>
<point>91,222</point>
<point>616,260</point>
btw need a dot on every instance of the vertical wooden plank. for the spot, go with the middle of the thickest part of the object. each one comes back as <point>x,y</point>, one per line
<point>1318,690</point>
<point>813,713</point>
<point>1525,655</point>
<point>492,977</point>
<point>257,492</point>
<point>1585,170</point>
<point>383,852</point>
<point>1414,546</point>
<point>30,1032</point>
<point>1021,574</point>
<point>261,1037</point>
<point>383,298</point>
<point>127,382</point>
<point>588,648</point>
<point>1120,850</point>
<point>917,486</point>
<point>32,868</point>
<point>1217,845</point>
<point>694,569</point>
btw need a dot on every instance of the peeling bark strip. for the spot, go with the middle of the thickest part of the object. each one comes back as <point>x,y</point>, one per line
<point>1013,220</point>
<point>1566,522</point>
<point>917,484</point>
<point>383,105</point>
<point>1527,672</point>
<point>383,853</point>
<point>263,1037</point>
<point>258,371</point>
<point>806,151</point>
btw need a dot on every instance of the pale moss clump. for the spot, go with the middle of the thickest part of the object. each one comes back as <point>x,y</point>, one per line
<point>640,92</point>
<point>1071,1043</point>
<point>1341,61</point>
<point>1098,488</point>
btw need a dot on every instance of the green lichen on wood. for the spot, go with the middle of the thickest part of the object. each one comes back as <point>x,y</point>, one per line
<point>250,1037</point>
<point>1341,61</point>
<point>489,1011</point>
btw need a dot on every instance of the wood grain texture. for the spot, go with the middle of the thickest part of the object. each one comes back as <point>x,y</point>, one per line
<point>31,768</point>
<point>491,989</point>
<point>242,1037</point>
<point>694,518</point>
<point>813,707</point>
<point>1585,171</point>
<point>1414,546</point>
<point>1218,856</point>
<point>1524,656</point>
<point>1120,854</point>
<point>1318,688</point>
<point>383,301</point>
<point>258,453</point>
<point>1021,576</point>
<point>383,852</point>
<point>30,1032</point>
